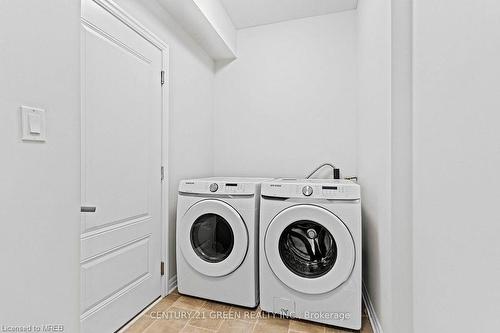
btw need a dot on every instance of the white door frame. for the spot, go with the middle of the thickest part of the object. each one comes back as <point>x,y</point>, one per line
<point>135,25</point>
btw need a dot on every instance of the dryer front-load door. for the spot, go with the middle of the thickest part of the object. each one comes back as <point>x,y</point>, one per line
<point>213,238</point>
<point>309,249</point>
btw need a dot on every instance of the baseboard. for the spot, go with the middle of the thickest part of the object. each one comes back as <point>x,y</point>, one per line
<point>172,283</point>
<point>372,315</point>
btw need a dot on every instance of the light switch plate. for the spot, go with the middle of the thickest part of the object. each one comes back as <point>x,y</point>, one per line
<point>33,124</point>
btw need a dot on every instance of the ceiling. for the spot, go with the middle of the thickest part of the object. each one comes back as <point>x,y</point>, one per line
<point>249,13</point>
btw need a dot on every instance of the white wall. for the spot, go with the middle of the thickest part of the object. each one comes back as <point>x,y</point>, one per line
<point>374,151</point>
<point>457,163</point>
<point>401,166</point>
<point>429,154</point>
<point>385,157</point>
<point>287,103</point>
<point>40,182</point>
<point>191,104</point>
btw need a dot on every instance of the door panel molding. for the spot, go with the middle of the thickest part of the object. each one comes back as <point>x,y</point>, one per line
<point>93,29</point>
<point>129,274</point>
<point>92,245</point>
<point>116,225</point>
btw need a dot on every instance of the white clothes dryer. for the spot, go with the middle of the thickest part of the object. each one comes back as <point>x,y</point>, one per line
<point>217,239</point>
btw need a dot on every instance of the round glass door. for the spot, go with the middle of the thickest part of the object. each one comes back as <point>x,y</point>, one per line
<point>212,238</point>
<point>309,249</point>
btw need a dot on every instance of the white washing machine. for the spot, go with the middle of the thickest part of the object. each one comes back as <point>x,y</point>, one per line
<point>310,250</point>
<point>217,239</point>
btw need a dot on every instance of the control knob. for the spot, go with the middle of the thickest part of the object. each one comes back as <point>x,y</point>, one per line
<point>307,190</point>
<point>214,187</point>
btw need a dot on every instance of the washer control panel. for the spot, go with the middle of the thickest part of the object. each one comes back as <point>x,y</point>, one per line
<point>332,189</point>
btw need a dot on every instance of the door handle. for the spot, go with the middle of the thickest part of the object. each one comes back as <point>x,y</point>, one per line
<point>87,209</point>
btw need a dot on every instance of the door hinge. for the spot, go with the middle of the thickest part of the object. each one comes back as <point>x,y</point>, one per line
<point>88,209</point>
<point>162,172</point>
<point>162,75</point>
<point>162,268</point>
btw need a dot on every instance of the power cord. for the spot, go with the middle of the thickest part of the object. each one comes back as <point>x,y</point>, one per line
<point>335,171</point>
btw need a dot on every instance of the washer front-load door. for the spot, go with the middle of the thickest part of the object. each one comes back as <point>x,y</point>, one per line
<point>309,249</point>
<point>213,238</point>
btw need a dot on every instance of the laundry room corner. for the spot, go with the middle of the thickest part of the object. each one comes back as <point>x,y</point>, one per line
<point>295,81</point>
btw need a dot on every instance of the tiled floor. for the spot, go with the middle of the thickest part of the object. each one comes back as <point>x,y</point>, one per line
<point>179,313</point>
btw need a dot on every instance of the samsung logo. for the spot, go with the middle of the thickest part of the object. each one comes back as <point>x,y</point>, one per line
<point>275,185</point>
<point>189,183</point>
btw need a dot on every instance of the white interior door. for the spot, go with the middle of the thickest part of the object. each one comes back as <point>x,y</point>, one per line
<point>120,172</point>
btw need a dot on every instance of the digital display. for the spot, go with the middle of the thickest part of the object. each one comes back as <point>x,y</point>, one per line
<point>329,187</point>
<point>232,184</point>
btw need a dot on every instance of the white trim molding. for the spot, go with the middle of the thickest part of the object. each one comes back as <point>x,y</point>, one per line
<point>172,283</point>
<point>372,315</point>
<point>135,25</point>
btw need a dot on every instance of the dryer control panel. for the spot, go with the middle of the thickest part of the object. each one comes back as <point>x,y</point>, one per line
<point>221,186</point>
<point>334,189</point>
